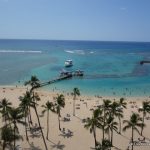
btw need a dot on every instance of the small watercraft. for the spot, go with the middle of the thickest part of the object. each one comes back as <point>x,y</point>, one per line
<point>68,63</point>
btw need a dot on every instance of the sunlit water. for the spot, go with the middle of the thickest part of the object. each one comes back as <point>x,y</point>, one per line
<point>110,68</point>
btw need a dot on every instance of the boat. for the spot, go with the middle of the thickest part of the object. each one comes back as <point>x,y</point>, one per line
<point>65,73</point>
<point>68,63</point>
<point>78,73</point>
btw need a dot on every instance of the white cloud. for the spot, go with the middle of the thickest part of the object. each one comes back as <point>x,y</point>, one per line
<point>123,8</point>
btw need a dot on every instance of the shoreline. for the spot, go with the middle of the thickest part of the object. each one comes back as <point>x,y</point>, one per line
<point>48,90</point>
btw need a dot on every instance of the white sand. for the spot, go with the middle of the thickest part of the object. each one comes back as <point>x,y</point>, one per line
<point>81,138</point>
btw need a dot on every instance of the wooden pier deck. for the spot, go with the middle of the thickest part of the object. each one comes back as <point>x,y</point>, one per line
<point>63,76</point>
<point>55,80</point>
<point>144,61</point>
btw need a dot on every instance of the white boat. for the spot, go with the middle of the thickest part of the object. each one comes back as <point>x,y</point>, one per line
<point>68,63</point>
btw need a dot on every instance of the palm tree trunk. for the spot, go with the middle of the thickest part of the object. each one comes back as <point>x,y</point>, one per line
<point>132,138</point>
<point>103,125</point>
<point>94,134</point>
<point>26,128</point>
<point>143,124</point>
<point>103,132</point>
<point>29,122</point>
<point>111,136</point>
<point>40,127</point>
<point>14,137</point>
<point>4,144</point>
<point>74,106</point>
<point>119,125</point>
<point>5,120</point>
<point>59,121</point>
<point>30,115</point>
<point>47,124</point>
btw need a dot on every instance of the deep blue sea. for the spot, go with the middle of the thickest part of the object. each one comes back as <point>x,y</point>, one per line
<point>110,68</point>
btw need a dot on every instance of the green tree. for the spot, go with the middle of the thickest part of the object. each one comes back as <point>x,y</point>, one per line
<point>25,103</point>
<point>15,116</point>
<point>105,145</point>
<point>5,106</point>
<point>133,124</point>
<point>7,136</point>
<point>114,112</point>
<point>75,93</point>
<point>145,109</point>
<point>60,103</point>
<point>49,106</point>
<point>122,104</point>
<point>111,125</point>
<point>35,83</point>
<point>93,122</point>
<point>106,109</point>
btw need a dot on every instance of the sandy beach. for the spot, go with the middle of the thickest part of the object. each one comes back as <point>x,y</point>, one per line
<point>73,135</point>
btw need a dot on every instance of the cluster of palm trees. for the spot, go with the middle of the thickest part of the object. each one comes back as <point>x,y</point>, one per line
<point>11,117</point>
<point>22,114</point>
<point>108,118</point>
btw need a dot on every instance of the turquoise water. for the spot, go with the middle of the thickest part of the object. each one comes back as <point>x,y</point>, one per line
<point>111,68</point>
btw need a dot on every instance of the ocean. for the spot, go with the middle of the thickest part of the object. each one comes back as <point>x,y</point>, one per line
<point>110,68</point>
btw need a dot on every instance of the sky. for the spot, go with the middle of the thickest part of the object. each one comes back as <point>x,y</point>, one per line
<point>100,20</point>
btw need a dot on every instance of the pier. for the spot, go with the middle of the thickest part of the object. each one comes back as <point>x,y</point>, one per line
<point>55,80</point>
<point>144,61</point>
<point>63,76</point>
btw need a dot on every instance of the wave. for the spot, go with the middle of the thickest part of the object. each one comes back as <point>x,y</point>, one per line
<point>19,51</point>
<point>131,53</point>
<point>91,52</point>
<point>69,51</point>
<point>79,52</point>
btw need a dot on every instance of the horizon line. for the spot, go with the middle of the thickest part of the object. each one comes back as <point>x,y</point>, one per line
<point>76,40</point>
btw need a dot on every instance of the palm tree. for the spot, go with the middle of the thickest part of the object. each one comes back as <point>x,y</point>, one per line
<point>106,108</point>
<point>122,104</point>
<point>92,123</point>
<point>24,106</point>
<point>8,137</point>
<point>111,125</point>
<point>133,123</point>
<point>35,83</point>
<point>105,145</point>
<point>16,116</point>
<point>145,109</point>
<point>5,106</point>
<point>60,102</point>
<point>36,98</point>
<point>114,112</point>
<point>49,106</point>
<point>119,115</point>
<point>29,102</point>
<point>75,93</point>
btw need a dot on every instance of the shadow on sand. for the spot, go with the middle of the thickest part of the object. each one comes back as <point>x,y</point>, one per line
<point>57,146</point>
<point>33,147</point>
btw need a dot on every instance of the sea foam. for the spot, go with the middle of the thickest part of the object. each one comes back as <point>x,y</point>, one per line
<point>79,52</point>
<point>19,51</point>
